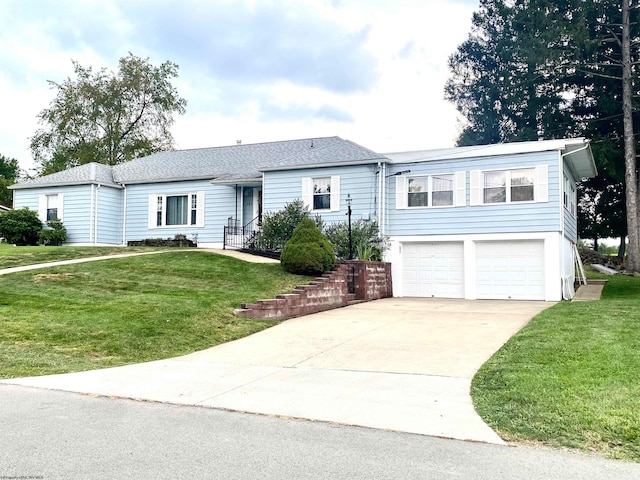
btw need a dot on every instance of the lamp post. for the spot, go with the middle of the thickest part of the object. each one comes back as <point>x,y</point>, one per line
<point>349,217</point>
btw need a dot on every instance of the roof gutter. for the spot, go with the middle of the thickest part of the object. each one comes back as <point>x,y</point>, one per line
<point>572,167</point>
<point>165,180</point>
<point>586,145</point>
<point>239,181</point>
<point>323,165</point>
<point>25,186</point>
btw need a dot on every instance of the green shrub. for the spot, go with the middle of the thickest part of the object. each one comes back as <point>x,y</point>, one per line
<point>21,227</point>
<point>367,243</point>
<point>364,252</point>
<point>278,227</point>
<point>55,234</point>
<point>308,252</point>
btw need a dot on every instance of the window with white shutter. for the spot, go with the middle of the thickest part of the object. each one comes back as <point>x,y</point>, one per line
<point>181,210</point>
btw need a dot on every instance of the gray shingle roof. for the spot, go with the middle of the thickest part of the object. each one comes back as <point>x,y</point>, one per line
<point>240,162</point>
<point>321,153</point>
<point>82,175</point>
<point>224,164</point>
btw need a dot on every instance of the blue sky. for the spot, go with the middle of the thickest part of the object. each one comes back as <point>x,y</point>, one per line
<point>372,71</point>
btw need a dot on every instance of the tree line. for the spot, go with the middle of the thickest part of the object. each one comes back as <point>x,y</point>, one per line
<point>541,69</point>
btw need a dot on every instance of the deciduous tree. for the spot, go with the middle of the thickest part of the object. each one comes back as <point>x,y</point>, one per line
<point>108,117</point>
<point>9,172</point>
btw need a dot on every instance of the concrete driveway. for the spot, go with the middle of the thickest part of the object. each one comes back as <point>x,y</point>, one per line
<point>395,364</point>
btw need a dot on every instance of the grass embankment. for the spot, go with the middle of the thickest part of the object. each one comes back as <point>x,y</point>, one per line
<point>11,256</point>
<point>571,377</point>
<point>129,310</point>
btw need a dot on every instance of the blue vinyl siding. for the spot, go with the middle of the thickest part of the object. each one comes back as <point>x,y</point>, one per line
<point>109,211</point>
<point>503,218</point>
<point>359,181</point>
<point>570,219</point>
<point>219,206</point>
<point>76,208</point>
<point>29,197</point>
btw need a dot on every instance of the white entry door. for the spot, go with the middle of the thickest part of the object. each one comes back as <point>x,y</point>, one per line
<point>433,269</point>
<point>510,270</point>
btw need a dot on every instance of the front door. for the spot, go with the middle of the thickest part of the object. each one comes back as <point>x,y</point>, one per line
<point>257,202</point>
<point>251,205</point>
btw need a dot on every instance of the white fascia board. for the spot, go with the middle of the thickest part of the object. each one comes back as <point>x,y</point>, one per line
<point>23,186</point>
<point>324,165</point>
<point>498,149</point>
<point>250,182</point>
<point>167,180</point>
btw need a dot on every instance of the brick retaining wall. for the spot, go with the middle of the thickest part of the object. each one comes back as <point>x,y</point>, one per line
<point>372,280</point>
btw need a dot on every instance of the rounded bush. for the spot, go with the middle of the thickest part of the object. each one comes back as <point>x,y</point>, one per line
<point>307,252</point>
<point>54,234</point>
<point>21,227</point>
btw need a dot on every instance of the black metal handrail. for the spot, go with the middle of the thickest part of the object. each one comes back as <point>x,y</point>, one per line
<point>237,236</point>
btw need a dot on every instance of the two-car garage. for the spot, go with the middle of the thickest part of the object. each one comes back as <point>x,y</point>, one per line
<point>504,269</point>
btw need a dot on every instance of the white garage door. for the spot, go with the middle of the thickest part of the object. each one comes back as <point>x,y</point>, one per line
<point>434,269</point>
<point>510,270</point>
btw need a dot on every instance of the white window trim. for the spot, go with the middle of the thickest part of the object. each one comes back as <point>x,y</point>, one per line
<point>540,185</point>
<point>569,195</point>
<point>459,191</point>
<point>307,194</point>
<point>42,206</point>
<point>153,210</point>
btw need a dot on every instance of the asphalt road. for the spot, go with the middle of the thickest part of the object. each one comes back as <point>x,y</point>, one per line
<point>57,435</point>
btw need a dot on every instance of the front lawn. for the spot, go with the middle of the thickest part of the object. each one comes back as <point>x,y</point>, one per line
<point>571,377</point>
<point>129,310</point>
<point>11,256</point>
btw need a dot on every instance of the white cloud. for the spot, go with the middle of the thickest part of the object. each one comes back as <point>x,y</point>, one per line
<point>372,71</point>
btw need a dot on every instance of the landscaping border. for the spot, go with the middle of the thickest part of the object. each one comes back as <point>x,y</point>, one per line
<point>367,280</point>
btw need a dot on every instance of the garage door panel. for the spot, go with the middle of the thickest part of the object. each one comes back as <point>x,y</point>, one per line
<point>510,270</point>
<point>433,269</point>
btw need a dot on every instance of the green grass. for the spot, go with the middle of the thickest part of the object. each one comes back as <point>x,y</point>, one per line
<point>571,377</point>
<point>11,256</point>
<point>121,311</point>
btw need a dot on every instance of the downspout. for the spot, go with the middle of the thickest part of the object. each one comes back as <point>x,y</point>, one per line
<point>91,222</point>
<point>379,209</point>
<point>95,218</point>
<point>383,223</point>
<point>124,218</point>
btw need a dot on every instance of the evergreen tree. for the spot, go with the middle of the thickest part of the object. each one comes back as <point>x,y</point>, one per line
<point>544,69</point>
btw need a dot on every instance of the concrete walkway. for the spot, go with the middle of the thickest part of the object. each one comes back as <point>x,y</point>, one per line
<point>39,266</point>
<point>229,253</point>
<point>394,364</point>
<point>240,255</point>
<point>590,292</point>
